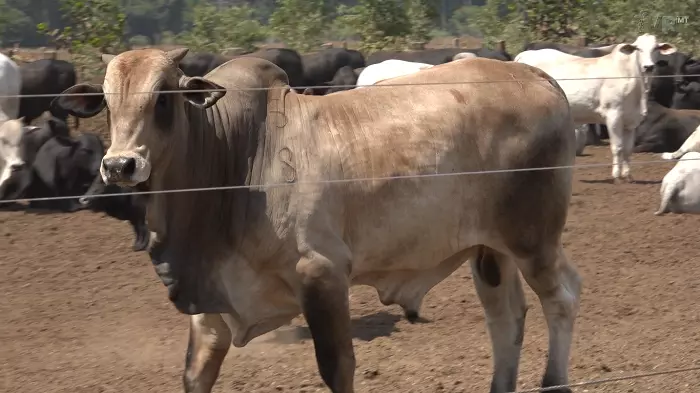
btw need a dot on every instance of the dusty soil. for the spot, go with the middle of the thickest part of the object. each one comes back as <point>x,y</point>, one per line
<point>83,313</point>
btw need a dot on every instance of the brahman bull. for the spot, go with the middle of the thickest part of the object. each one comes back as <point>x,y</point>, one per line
<point>245,261</point>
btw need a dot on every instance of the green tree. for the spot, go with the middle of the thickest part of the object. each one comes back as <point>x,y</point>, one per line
<point>12,23</point>
<point>96,24</point>
<point>421,16</point>
<point>380,24</point>
<point>214,29</point>
<point>299,23</point>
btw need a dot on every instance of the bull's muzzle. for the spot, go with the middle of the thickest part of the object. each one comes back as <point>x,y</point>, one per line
<point>118,169</point>
<point>128,168</point>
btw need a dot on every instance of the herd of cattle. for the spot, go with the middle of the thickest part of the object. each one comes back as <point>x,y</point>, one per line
<point>244,262</point>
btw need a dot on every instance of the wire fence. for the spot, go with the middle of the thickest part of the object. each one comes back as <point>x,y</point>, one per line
<point>603,381</point>
<point>341,181</point>
<point>335,181</point>
<point>645,77</point>
<point>393,178</point>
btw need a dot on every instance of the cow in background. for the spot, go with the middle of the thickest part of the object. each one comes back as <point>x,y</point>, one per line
<point>321,67</point>
<point>45,76</point>
<point>620,103</point>
<point>10,88</point>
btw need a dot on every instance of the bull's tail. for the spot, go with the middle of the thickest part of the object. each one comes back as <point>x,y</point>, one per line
<point>666,199</point>
<point>77,122</point>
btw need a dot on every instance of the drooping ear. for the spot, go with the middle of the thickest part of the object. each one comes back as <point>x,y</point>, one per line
<point>628,49</point>
<point>58,127</point>
<point>200,92</point>
<point>177,54</point>
<point>666,48</point>
<point>106,58</point>
<point>81,105</point>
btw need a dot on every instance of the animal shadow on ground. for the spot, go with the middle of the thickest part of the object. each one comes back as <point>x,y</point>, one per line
<point>44,210</point>
<point>12,207</point>
<point>610,181</point>
<point>365,328</point>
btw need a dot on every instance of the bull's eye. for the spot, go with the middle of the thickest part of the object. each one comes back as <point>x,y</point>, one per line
<point>162,100</point>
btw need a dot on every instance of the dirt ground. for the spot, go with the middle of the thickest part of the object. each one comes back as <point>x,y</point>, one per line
<point>83,313</point>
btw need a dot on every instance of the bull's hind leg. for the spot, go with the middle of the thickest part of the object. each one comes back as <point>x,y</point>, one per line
<point>501,294</point>
<point>210,340</point>
<point>558,286</point>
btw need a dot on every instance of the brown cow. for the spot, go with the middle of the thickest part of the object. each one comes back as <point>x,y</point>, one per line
<point>245,261</point>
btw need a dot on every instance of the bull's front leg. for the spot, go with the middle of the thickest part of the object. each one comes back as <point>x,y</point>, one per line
<point>210,340</point>
<point>324,299</point>
<point>616,131</point>
<point>627,150</point>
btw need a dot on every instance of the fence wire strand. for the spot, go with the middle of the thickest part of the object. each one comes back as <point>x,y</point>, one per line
<point>346,86</point>
<point>611,379</point>
<point>387,178</point>
<point>338,181</point>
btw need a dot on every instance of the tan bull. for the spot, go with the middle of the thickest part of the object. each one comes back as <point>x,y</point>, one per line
<point>245,261</point>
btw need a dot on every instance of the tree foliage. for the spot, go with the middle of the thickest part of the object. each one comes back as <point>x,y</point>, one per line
<point>382,24</point>
<point>299,23</point>
<point>213,25</point>
<point>216,29</point>
<point>97,24</point>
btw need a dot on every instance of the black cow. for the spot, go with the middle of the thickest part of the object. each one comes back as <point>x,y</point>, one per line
<point>344,79</point>
<point>46,76</point>
<point>321,67</point>
<point>288,60</point>
<point>199,64</point>
<point>64,166</point>
<point>435,56</point>
<point>663,86</point>
<point>33,138</point>
<point>665,129</point>
<point>581,51</point>
<point>123,206</point>
<point>687,96</point>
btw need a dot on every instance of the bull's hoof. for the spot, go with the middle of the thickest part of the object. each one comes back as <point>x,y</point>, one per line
<point>659,213</point>
<point>618,181</point>
<point>411,316</point>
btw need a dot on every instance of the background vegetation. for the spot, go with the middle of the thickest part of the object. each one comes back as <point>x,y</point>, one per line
<point>216,25</point>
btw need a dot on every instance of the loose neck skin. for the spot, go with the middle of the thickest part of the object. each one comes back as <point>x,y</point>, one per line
<point>199,157</point>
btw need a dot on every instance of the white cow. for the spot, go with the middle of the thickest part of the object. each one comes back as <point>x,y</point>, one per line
<point>692,144</point>
<point>464,55</point>
<point>680,189</point>
<point>10,85</point>
<point>619,103</point>
<point>11,133</point>
<point>388,69</point>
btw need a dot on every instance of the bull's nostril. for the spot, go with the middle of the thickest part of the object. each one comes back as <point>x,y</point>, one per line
<point>129,167</point>
<point>16,167</point>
